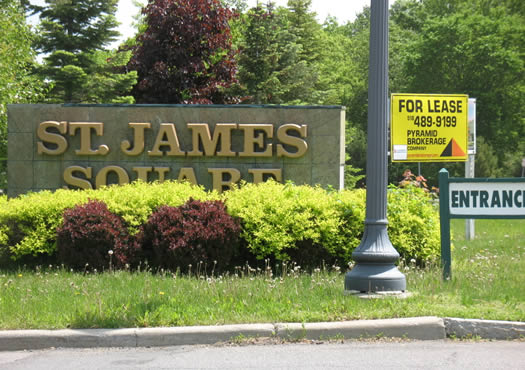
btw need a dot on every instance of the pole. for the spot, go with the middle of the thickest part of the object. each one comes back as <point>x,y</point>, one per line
<point>469,174</point>
<point>444,220</point>
<point>375,256</point>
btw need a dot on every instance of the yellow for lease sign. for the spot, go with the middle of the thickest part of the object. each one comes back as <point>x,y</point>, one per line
<point>428,128</point>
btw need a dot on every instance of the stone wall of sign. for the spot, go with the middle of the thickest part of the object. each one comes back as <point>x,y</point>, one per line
<point>88,146</point>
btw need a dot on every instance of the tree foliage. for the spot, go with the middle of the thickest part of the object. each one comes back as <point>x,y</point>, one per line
<point>476,48</point>
<point>16,60</point>
<point>73,34</point>
<point>280,54</point>
<point>258,57</point>
<point>185,53</point>
<point>301,22</point>
<point>473,47</point>
<point>270,68</point>
<point>77,25</point>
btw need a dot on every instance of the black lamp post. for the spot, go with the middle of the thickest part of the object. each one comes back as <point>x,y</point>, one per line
<point>375,256</point>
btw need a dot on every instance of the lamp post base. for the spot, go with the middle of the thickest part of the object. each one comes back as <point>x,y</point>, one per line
<point>375,277</point>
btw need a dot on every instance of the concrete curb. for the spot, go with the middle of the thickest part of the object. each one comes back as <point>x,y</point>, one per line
<point>13,340</point>
<point>487,329</point>
<point>417,328</point>
<point>421,328</point>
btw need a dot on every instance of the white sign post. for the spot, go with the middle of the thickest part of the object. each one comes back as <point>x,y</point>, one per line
<point>470,230</point>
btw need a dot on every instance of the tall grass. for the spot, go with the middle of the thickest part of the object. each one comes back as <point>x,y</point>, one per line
<point>487,282</point>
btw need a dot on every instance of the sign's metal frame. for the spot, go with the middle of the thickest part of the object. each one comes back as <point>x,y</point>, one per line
<point>445,214</point>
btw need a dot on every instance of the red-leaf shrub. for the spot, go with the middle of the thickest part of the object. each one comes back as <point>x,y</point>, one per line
<point>88,234</point>
<point>185,53</point>
<point>176,237</point>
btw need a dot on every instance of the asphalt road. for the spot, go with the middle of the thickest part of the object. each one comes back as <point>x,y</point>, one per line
<point>441,354</point>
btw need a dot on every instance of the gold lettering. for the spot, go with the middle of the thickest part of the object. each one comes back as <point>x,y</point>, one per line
<point>284,138</point>
<point>187,174</point>
<point>85,137</point>
<point>218,177</point>
<point>138,138</point>
<point>142,172</point>
<point>251,140</point>
<point>52,138</point>
<point>202,131</point>
<point>162,171</point>
<point>166,130</point>
<point>77,181</point>
<point>102,176</point>
<point>258,174</point>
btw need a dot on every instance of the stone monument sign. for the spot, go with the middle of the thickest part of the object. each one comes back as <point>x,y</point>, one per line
<point>89,146</point>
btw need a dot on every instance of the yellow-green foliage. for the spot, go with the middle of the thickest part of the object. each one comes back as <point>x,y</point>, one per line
<point>413,223</point>
<point>3,228</point>
<point>32,220</point>
<point>276,218</point>
<point>136,202</point>
<point>351,208</point>
<point>28,223</point>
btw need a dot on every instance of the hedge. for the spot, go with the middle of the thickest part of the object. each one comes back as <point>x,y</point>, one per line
<point>279,221</point>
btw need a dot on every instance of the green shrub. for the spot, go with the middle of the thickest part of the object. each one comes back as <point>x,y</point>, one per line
<point>414,227</point>
<point>351,207</point>
<point>279,221</point>
<point>28,223</point>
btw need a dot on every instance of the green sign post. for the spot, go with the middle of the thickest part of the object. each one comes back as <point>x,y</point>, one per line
<point>476,198</point>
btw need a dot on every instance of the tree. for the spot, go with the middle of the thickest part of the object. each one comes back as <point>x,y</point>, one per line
<point>105,84</point>
<point>461,46</point>
<point>74,33</point>
<point>302,24</point>
<point>185,54</point>
<point>259,57</point>
<point>280,53</point>
<point>16,58</point>
<point>337,67</point>
<point>476,50</point>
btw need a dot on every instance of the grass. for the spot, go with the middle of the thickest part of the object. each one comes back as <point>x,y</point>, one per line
<point>487,283</point>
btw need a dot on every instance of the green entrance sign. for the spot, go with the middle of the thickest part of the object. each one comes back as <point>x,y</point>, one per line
<point>476,198</point>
